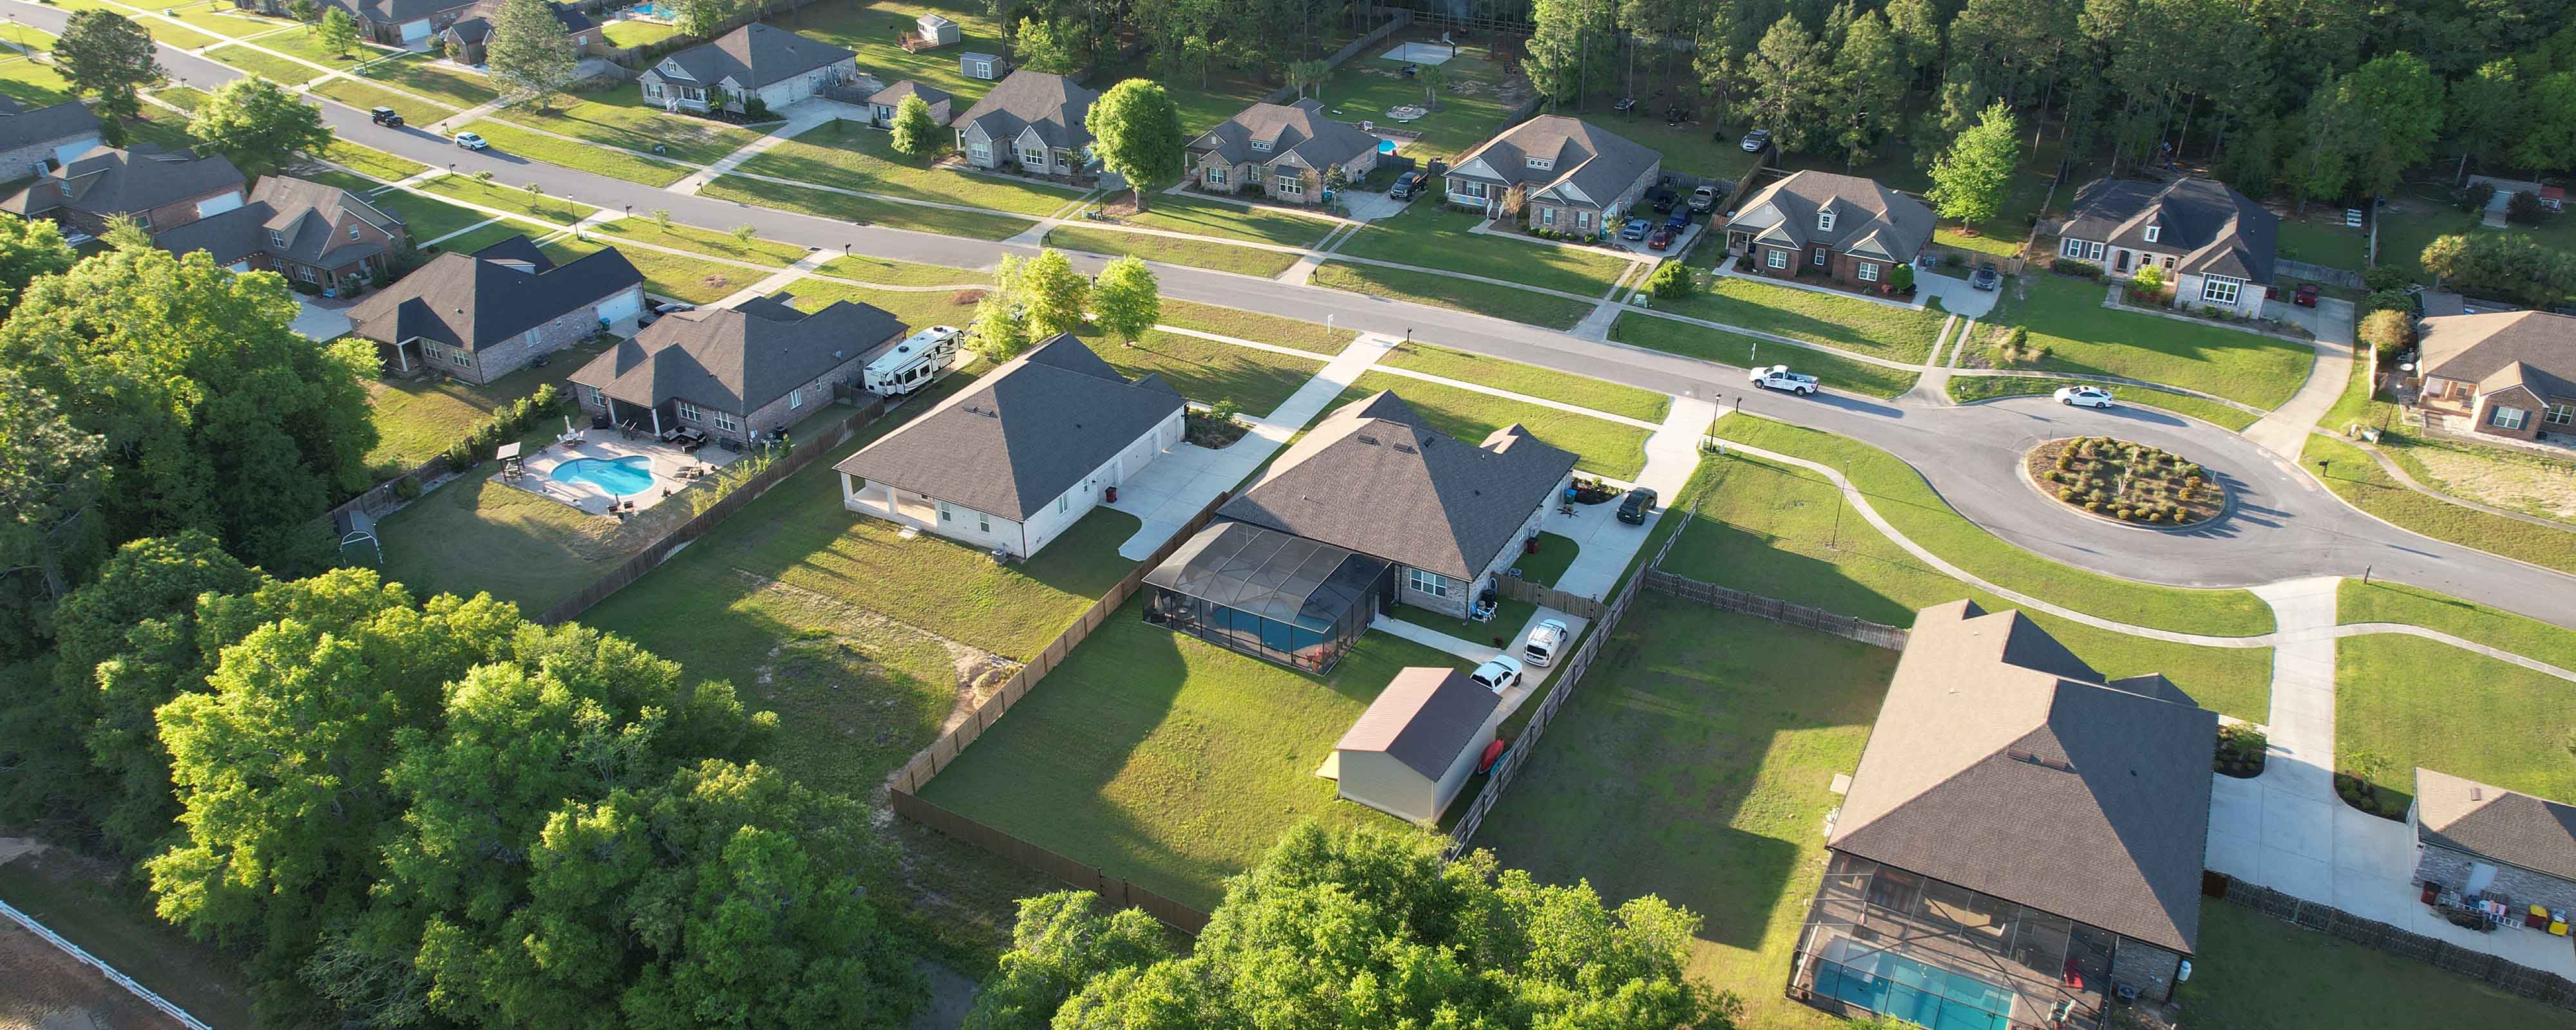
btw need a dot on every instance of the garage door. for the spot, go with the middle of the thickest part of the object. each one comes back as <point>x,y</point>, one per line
<point>415,31</point>
<point>624,305</point>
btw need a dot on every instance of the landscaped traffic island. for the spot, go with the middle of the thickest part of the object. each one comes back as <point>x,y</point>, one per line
<point>2128,482</point>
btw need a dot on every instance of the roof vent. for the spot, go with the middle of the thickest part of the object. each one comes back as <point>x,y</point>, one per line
<point>2477,793</point>
<point>836,354</point>
<point>1366,439</point>
<point>1406,448</point>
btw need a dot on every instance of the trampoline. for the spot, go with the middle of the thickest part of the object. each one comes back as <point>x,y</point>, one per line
<point>1421,53</point>
<point>1893,985</point>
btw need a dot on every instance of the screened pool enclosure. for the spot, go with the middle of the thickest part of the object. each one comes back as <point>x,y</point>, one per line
<point>1268,594</point>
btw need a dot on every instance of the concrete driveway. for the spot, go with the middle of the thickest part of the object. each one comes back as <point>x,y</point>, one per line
<point>2330,320</point>
<point>319,323</point>
<point>1957,297</point>
<point>1365,206</point>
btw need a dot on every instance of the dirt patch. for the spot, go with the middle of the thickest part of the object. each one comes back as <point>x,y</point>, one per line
<point>47,989</point>
<point>2126,481</point>
<point>2523,482</point>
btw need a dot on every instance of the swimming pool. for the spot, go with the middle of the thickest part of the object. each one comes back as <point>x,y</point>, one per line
<point>618,476</point>
<point>1892,985</point>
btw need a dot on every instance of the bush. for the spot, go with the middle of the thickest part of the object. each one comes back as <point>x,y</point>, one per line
<point>2383,277</point>
<point>1671,281</point>
<point>2390,331</point>
<point>2477,197</point>
<point>407,488</point>
<point>2076,269</point>
<point>2523,208</point>
<point>1901,279</point>
<point>2398,301</point>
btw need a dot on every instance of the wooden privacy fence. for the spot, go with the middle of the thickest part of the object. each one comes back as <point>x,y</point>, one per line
<point>1115,890</point>
<point>1776,610</point>
<point>2494,970</point>
<point>1548,597</point>
<point>382,495</point>
<point>1374,37</point>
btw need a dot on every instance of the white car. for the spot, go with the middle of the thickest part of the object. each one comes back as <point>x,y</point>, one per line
<point>471,140</point>
<point>1545,641</point>
<point>1778,377</point>
<point>1498,675</point>
<point>2083,396</point>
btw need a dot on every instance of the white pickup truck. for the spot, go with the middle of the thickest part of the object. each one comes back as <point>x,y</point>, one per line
<point>1778,377</point>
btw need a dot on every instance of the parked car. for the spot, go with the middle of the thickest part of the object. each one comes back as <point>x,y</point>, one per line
<point>386,116</point>
<point>2306,297</point>
<point>2083,396</point>
<point>1755,140</point>
<point>1662,237</point>
<point>1407,186</point>
<point>1635,229</point>
<point>1498,675</point>
<point>472,141</point>
<point>1703,198</point>
<point>1986,278</point>
<point>1633,508</point>
<point>1679,220</point>
<point>1778,377</point>
<point>1545,641</point>
<point>1661,199</point>
<point>673,307</point>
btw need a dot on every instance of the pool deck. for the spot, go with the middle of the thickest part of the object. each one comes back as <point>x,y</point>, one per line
<point>668,461</point>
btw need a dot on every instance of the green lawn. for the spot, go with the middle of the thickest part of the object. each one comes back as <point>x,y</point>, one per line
<point>869,30</point>
<point>2353,476</point>
<point>1832,320</point>
<point>2416,702</point>
<point>1467,295</point>
<point>1206,217</point>
<point>1322,340</point>
<point>425,76</point>
<point>890,272</point>
<point>1601,447</point>
<point>1555,554</point>
<point>1550,384</point>
<point>184,97</point>
<point>1726,348</point>
<point>1207,371</point>
<point>705,241</point>
<point>33,83</point>
<point>222,19</point>
<point>2412,222</point>
<point>669,275</point>
<point>2383,601</point>
<point>1894,164</point>
<point>615,164</point>
<point>853,157</point>
<point>1431,236</point>
<point>476,534</point>
<point>1168,761</point>
<point>111,916</point>
<point>1471,106</point>
<point>628,32</point>
<point>428,218</point>
<point>418,418</point>
<point>508,196</point>
<point>485,236</point>
<point>283,71</point>
<point>370,161</point>
<point>27,37</point>
<point>2321,239</point>
<point>2256,971</point>
<point>619,117</point>
<point>866,210</point>
<point>365,96</point>
<point>1976,388</point>
<point>2066,316</point>
<point>1693,765</point>
<point>309,47</point>
<point>1194,253</point>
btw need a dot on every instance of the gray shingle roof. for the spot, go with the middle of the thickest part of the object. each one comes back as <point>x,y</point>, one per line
<point>21,127</point>
<point>2474,348</point>
<point>1587,166</point>
<point>310,220</point>
<point>108,181</point>
<point>1869,219</point>
<point>1297,133</point>
<point>2002,764</point>
<point>1424,718</point>
<point>755,55</point>
<point>2216,230</point>
<point>473,301</point>
<point>1053,105</point>
<point>1374,477</point>
<point>2507,826</point>
<point>939,100</point>
<point>740,358</point>
<point>396,11</point>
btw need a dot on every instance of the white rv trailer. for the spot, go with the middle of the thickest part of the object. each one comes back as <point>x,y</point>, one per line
<point>914,363</point>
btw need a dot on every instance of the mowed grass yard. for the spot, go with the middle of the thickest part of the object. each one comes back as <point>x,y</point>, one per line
<point>2354,476</point>
<point>418,418</point>
<point>1207,371</point>
<point>1430,236</point>
<point>2412,222</point>
<point>1693,765</point>
<point>676,276</point>
<point>2414,702</point>
<point>1320,340</point>
<point>853,157</point>
<point>1601,447</point>
<point>2066,316</point>
<point>1479,92</point>
<point>869,29</point>
<point>976,225</point>
<point>1482,298</point>
<point>505,196</point>
<point>1206,216</point>
<point>32,82</point>
<point>1171,250</point>
<point>517,142</point>
<point>1596,394</point>
<point>1168,761</point>
<point>2256,971</point>
<point>1639,329</point>
<point>2384,601</point>
<point>619,117</point>
<point>428,77</point>
<point>1846,323</point>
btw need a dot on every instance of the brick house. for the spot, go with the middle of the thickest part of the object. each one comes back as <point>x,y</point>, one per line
<point>1286,151</point>
<point>161,190</point>
<point>2215,245</point>
<point>2472,838</point>
<point>468,35</point>
<point>35,141</point>
<point>778,66</point>
<point>1032,122</point>
<point>1563,174</point>
<point>737,374</point>
<point>2509,374</point>
<point>300,229</point>
<point>1844,228</point>
<point>484,315</point>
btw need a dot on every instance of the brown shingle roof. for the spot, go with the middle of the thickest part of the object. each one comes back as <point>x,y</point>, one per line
<point>737,359</point>
<point>1055,106</point>
<point>2474,348</point>
<point>1869,218</point>
<point>2507,826</point>
<point>1297,130</point>
<point>1424,718</point>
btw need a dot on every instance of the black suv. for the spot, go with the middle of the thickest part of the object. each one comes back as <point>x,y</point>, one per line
<point>1633,508</point>
<point>1406,186</point>
<point>386,116</point>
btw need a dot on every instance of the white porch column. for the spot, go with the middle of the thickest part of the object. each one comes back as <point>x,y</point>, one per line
<point>656,412</point>
<point>848,492</point>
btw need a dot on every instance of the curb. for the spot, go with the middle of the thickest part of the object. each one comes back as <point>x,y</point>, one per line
<point>2225,494</point>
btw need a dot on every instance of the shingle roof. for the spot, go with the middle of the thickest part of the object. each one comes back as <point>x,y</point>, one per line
<point>1869,219</point>
<point>21,127</point>
<point>1424,718</point>
<point>754,56</point>
<point>740,358</point>
<point>475,300</point>
<point>472,30</point>
<point>396,11</point>
<point>109,181</point>
<point>2216,230</point>
<point>1021,438</point>
<point>2475,348</point>
<point>1587,166</point>
<point>1053,105</point>
<point>938,99</point>
<point>2507,826</point>
<point>1297,133</point>
<point>307,216</point>
<point>1374,477</point>
<point>2003,764</point>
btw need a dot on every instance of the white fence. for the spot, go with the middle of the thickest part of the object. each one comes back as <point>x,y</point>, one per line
<point>114,977</point>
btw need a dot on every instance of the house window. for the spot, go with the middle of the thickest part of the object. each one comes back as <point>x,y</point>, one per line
<point>1820,257</point>
<point>981,152</point>
<point>1216,176</point>
<point>688,412</point>
<point>2559,414</point>
<point>1775,258</point>
<point>353,232</point>
<point>983,69</point>
<point>305,274</point>
<point>725,422</point>
<point>983,523</point>
<point>652,89</point>
<point>143,220</point>
<point>2155,232</point>
<point>1431,583</point>
<point>1547,216</point>
<point>1868,272</point>
<point>1583,219</point>
<point>795,399</point>
<point>1290,186</point>
<point>2216,290</point>
<point>2081,250</point>
<point>1261,146</point>
<point>2168,262</point>
<point>276,238</point>
<point>1824,221</point>
<point>460,359</point>
<point>1063,503</point>
<point>597,399</point>
<point>534,333</point>
<point>946,515</point>
<point>2507,418</point>
<point>1033,157</point>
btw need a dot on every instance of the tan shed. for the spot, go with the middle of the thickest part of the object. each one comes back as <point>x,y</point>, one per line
<point>1412,751</point>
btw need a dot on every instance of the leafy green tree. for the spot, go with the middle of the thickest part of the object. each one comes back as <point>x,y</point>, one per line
<point>529,53</point>
<point>2510,265</point>
<point>29,248</point>
<point>1136,131</point>
<point>2485,113</point>
<point>2320,164</point>
<point>50,476</point>
<point>1126,300</point>
<point>916,134</point>
<point>257,123</point>
<point>1054,294</point>
<point>1000,330</point>
<point>124,233</point>
<point>2398,102</point>
<point>2388,330</point>
<point>701,17</point>
<point>1554,58</point>
<point>1060,943</point>
<point>108,59</point>
<point>1041,48</point>
<point>337,32</point>
<point>2548,131</point>
<point>303,10</point>
<point>1915,27</point>
<point>1869,85</point>
<point>1970,180</point>
<point>1792,71</point>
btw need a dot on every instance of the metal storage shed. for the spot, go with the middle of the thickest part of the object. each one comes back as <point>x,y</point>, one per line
<point>1268,594</point>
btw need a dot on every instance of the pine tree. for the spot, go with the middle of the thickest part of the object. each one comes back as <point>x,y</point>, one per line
<point>529,54</point>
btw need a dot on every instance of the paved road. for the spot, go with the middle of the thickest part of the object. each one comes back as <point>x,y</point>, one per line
<point>2285,526</point>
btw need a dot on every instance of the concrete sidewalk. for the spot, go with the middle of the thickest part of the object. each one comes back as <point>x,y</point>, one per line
<point>802,117</point>
<point>1605,544</point>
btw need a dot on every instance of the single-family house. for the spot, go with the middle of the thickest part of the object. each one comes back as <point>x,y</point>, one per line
<point>307,231</point>
<point>739,375</point>
<point>484,315</point>
<point>883,104</point>
<point>1415,747</point>
<point>2214,245</point>
<point>755,61</point>
<point>977,65</point>
<point>2474,839</point>
<point>935,32</point>
<point>467,36</point>
<point>1033,122</point>
<point>1558,173</point>
<point>1013,463</point>
<point>1846,228</point>
<point>2508,373</point>
<point>2022,842</point>
<point>404,23</point>
<point>161,190</point>
<point>1283,151</point>
<point>34,141</point>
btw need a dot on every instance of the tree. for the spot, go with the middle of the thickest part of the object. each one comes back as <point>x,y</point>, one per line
<point>1136,131</point>
<point>1969,181</point>
<point>1061,942</point>
<point>50,474</point>
<point>999,330</point>
<point>1433,77</point>
<point>108,59</point>
<point>122,232</point>
<point>2388,331</point>
<point>29,248</point>
<point>1554,58</point>
<point>1306,75</point>
<point>1053,294</point>
<point>916,134</point>
<point>2398,104</point>
<point>257,123</point>
<point>701,17</point>
<point>1915,27</point>
<point>2510,265</point>
<point>2484,110</point>
<point>1792,73</point>
<point>1670,281</point>
<point>529,53</point>
<point>745,233</point>
<point>337,32</point>
<point>1126,300</point>
<point>2549,127</point>
<point>303,10</point>
<point>1869,85</point>
<point>1040,49</point>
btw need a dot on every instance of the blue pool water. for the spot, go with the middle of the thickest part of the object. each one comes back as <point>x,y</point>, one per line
<point>1892,985</point>
<point>618,476</point>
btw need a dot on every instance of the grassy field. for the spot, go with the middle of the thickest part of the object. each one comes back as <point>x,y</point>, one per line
<point>1601,447</point>
<point>2383,601</point>
<point>429,218</point>
<point>475,534</point>
<point>2321,239</point>
<point>1847,323</point>
<point>628,32</point>
<point>364,95</point>
<point>509,197</point>
<point>1693,766</point>
<point>2066,316</point>
<point>1321,340</point>
<point>2408,701</point>
<point>1548,383</point>
<point>2256,971</point>
<point>890,272</point>
<point>1976,388</point>
<point>1479,92</point>
<point>417,418</point>
<point>1718,345</point>
<point>912,307</point>
<point>308,46</point>
<point>1207,371</point>
<point>2353,476</point>
<point>33,83</point>
<point>869,30</point>
<point>485,236</point>
<point>1467,295</point>
<point>223,19</point>
<point>669,275</point>
<point>866,210</point>
<point>852,157</point>
<point>1168,761</point>
<point>371,161</point>
<point>620,117</point>
<point>615,164</point>
<point>1202,216</point>
<point>2410,223</point>
<point>1430,236</point>
<point>704,241</point>
<point>90,904</point>
<point>429,78</point>
<point>2533,484</point>
<point>283,71</point>
<point>1209,254</point>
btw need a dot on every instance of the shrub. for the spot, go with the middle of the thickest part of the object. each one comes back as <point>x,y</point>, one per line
<point>2389,300</point>
<point>2126,514</point>
<point>2076,269</point>
<point>2389,330</point>
<point>1225,410</point>
<point>2155,516</point>
<point>2066,493</point>
<point>2383,277</point>
<point>2477,196</point>
<point>2092,506</point>
<point>1901,278</point>
<point>2523,208</point>
<point>407,488</point>
<point>1671,281</point>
